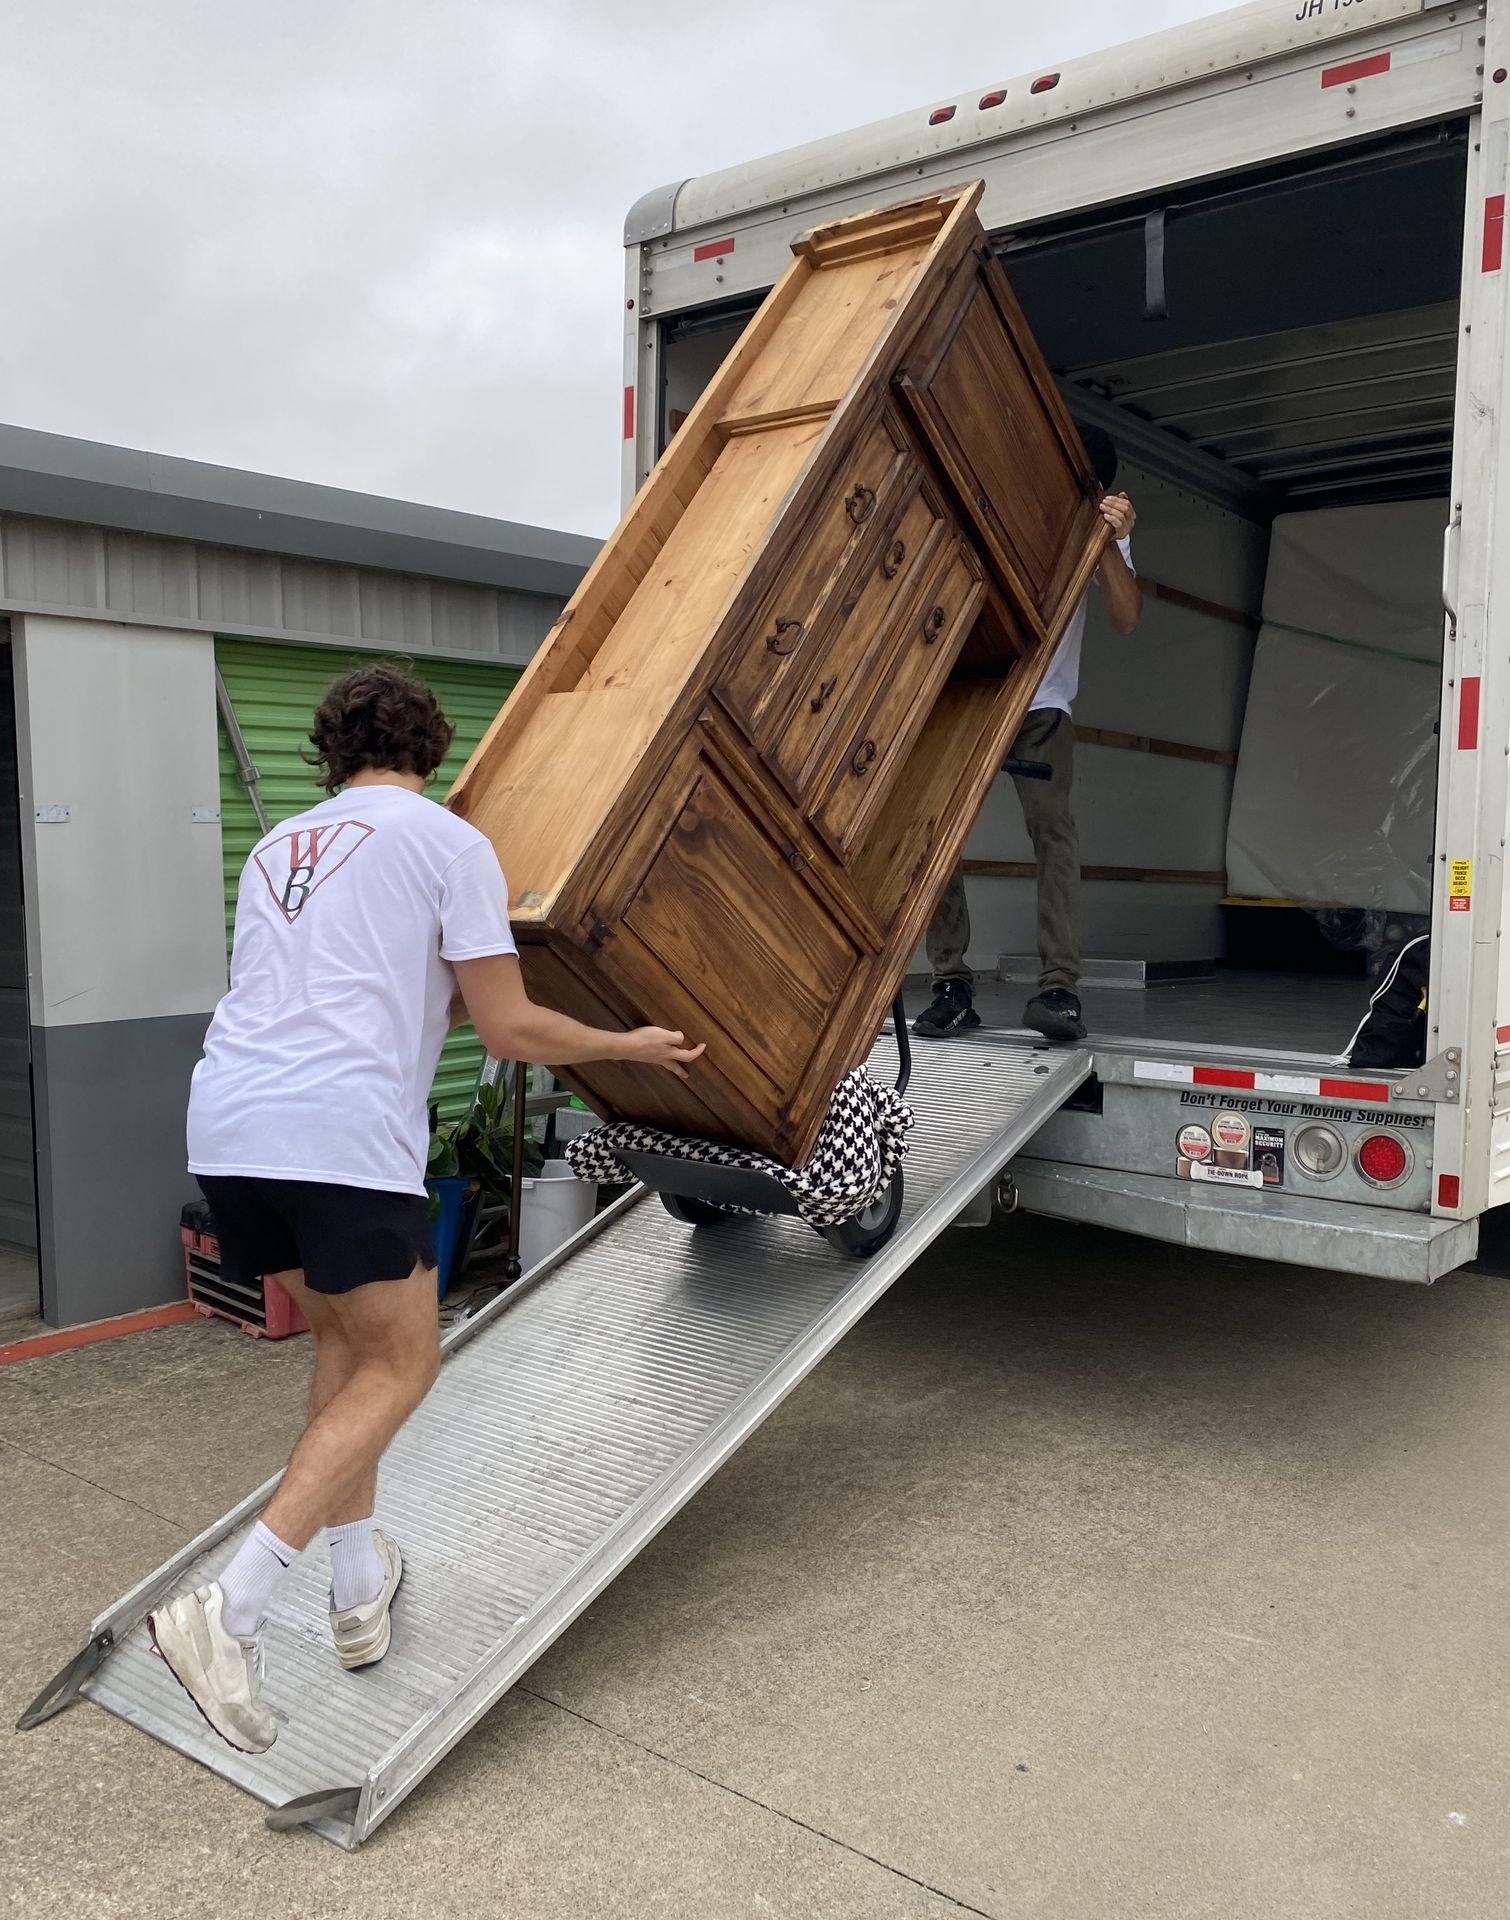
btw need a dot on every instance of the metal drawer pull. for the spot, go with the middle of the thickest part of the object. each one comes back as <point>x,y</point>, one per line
<point>778,641</point>
<point>933,626</point>
<point>821,697</point>
<point>863,757</point>
<point>891,566</point>
<point>860,505</point>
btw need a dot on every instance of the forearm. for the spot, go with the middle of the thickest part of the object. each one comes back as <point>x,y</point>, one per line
<point>1121,595</point>
<point>556,1040</point>
<point>512,1027</point>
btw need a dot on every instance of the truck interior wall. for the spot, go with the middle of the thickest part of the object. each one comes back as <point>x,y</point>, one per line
<point>1180,681</point>
<point>691,360</point>
<point>1309,348</point>
<point>1335,799</point>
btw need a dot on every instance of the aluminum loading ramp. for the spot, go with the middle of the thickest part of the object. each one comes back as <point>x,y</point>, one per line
<point>571,1420</point>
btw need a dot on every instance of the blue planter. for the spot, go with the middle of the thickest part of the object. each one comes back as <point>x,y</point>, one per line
<point>452,1194</point>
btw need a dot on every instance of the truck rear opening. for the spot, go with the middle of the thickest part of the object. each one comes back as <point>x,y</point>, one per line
<point>1278,776</point>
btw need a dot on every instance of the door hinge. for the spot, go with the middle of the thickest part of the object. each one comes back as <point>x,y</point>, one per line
<point>1441,1078</point>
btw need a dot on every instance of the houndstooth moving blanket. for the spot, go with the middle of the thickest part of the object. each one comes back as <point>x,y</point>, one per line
<point>862,1141</point>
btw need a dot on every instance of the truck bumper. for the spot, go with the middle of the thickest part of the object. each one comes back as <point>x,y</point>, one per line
<point>1333,1235</point>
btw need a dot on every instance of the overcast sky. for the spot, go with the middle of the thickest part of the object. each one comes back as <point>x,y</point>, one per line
<point>378,243</point>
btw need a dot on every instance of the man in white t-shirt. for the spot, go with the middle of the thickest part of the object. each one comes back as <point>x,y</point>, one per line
<point>362,929</point>
<point>1048,738</point>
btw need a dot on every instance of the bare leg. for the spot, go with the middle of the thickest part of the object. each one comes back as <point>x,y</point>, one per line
<point>391,1334</point>
<point>334,1365</point>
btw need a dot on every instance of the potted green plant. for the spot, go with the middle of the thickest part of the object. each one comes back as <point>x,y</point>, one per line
<point>471,1166</point>
<point>454,1194</point>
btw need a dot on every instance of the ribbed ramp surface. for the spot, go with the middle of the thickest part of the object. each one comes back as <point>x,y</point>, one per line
<point>569,1423</point>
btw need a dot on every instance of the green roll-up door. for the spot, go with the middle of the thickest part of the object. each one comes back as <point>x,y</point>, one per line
<point>275,691</point>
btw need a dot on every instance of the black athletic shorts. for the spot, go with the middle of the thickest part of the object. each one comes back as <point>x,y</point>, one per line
<point>342,1237</point>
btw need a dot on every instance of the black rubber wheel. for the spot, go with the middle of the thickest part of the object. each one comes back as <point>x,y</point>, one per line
<point>694,1213</point>
<point>869,1231</point>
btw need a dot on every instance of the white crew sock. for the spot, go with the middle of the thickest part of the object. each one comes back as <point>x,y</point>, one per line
<point>356,1572</point>
<point>248,1582</point>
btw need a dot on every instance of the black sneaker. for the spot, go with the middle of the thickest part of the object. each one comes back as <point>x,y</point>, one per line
<point>952,1010</point>
<point>1056,1015</point>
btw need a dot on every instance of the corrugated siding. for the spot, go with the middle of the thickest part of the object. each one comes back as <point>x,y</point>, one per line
<point>275,690</point>
<point>61,567</point>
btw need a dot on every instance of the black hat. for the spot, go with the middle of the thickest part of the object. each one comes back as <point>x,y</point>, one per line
<point>1102,452</point>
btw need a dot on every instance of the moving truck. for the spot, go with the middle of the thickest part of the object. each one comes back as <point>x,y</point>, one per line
<point>1266,252</point>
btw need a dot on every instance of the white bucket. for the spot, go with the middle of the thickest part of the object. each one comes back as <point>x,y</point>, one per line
<point>555,1205</point>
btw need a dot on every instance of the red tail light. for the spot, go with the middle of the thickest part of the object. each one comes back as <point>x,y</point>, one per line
<point>1383,1159</point>
<point>940,115</point>
<point>1046,85</point>
<point>993,99</point>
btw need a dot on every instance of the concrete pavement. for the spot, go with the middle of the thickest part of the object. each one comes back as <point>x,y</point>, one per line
<point>1087,1579</point>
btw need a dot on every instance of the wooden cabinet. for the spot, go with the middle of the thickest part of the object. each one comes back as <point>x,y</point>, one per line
<point>730,788</point>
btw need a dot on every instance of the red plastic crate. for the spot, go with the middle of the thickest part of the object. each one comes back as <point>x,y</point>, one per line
<point>265,1311</point>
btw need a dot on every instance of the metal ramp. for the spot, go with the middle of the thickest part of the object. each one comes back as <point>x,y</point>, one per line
<point>571,1420</point>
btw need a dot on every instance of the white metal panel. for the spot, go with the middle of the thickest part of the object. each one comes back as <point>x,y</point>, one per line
<point>1199,53</point>
<point>124,901</point>
<point>1240,117</point>
<point>641,377</point>
<point>1471,979</point>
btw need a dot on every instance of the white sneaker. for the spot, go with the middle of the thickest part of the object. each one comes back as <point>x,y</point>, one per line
<point>217,1671</point>
<point>362,1633</point>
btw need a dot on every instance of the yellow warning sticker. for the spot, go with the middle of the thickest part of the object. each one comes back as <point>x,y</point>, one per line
<point>1460,886</point>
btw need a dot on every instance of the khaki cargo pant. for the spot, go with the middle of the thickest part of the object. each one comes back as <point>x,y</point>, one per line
<point>1048,736</point>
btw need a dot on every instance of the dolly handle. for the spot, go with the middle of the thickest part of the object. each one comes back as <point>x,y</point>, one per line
<point>904,1043</point>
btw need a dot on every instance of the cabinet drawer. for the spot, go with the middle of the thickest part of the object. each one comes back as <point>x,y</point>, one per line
<point>840,680</point>
<point>775,649</point>
<point>928,641</point>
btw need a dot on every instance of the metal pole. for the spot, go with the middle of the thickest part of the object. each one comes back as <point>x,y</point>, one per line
<point>512,1265</point>
<point>245,769</point>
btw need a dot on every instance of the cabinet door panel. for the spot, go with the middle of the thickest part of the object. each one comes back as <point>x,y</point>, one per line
<point>611,1087</point>
<point>756,954</point>
<point>985,405</point>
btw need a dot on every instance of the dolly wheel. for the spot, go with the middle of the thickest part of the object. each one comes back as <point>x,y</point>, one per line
<point>869,1231</point>
<point>694,1213</point>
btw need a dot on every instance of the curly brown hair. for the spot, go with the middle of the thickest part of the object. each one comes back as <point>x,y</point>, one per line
<point>378,716</point>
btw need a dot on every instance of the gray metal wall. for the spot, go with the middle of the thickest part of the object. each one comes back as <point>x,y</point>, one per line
<point>111,1099</point>
<point>18,1193</point>
<point>59,567</point>
<point>117,571</point>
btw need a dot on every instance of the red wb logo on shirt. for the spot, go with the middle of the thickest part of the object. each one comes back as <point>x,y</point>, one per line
<point>296,866</point>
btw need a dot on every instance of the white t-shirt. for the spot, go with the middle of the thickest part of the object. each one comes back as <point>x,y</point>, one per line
<point>319,1061</point>
<point>1062,681</point>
